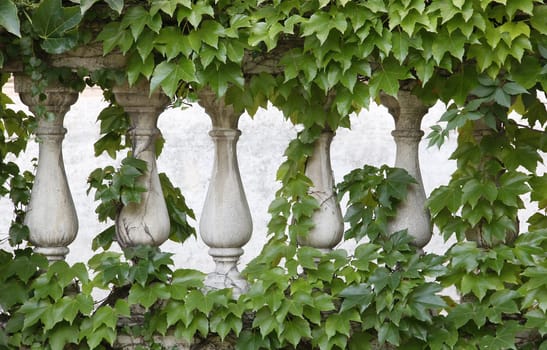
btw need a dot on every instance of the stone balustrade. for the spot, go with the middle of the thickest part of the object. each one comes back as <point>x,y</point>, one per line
<point>226,220</point>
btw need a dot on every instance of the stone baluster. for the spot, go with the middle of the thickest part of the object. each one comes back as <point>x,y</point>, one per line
<point>328,221</point>
<point>226,223</point>
<point>146,222</point>
<point>51,215</point>
<point>412,214</point>
<point>475,233</point>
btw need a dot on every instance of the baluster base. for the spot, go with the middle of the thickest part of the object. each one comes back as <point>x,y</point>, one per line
<point>53,253</point>
<point>226,274</point>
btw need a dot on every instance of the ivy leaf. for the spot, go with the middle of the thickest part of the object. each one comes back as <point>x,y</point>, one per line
<point>265,321</point>
<point>249,340</point>
<point>195,14</point>
<point>12,293</point>
<point>136,19</point>
<point>218,78</point>
<point>33,311</point>
<point>171,43</point>
<point>205,302</point>
<point>535,318</point>
<point>51,19</point>
<point>63,334</point>
<point>473,190</point>
<point>9,18</point>
<point>502,302</point>
<point>360,295</point>
<point>387,77</point>
<point>480,284</point>
<point>60,45</point>
<point>424,299</point>
<point>318,24</point>
<point>168,6</point>
<point>169,75</point>
<point>526,73</point>
<point>295,329</point>
<point>147,296</point>
<point>512,184</point>
<point>113,34</point>
<point>389,332</point>
<point>98,335</point>
<point>86,5</point>
<point>401,42</point>
<point>504,338</point>
<point>104,316</point>
<point>116,5</point>
<point>460,314</point>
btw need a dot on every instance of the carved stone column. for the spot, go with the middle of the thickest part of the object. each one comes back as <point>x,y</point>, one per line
<point>412,214</point>
<point>146,222</point>
<point>226,223</point>
<point>328,220</point>
<point>475,233</point>
<point>51,215</point>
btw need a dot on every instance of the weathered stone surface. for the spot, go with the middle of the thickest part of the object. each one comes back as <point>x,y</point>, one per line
<point>146,222</point>
<point>51,215</point>
<point>328,221</point>
<point>226,223</point>
<point>412,214</point>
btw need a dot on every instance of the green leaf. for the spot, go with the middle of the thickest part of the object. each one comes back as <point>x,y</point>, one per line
<point>295,329</point>
<point>104,316</point>
<point>51,19</point>
<point>360,296</point>
<point>445,197</point>
<point>12,293</point>
<point>86,5</point>
<point>113,35</point>
<point>512,184</point>
<point>504,338</point>
<point>502,303</point>
<point>59,45</point>
<point>250,340</point>
<point>318,24</point>
<point>219,78</point>
<point>195,14</point>
<point>473,190</point>
<point>63,334</point>
<point>389,332</point>
<point>98,335</point>
<point>265,321</point>
<point>9,18</point>
<point>205,302</point>
<point>401,43</point>
<point>116,5</point>
<point>168,6</point>
<point>171,75</point>
<point>135,19</point>
<point>480,284</point>
<point>526,73</point>
<point>460,314</point>
<point>387,77</point>
<point>424,301</point>
<point>171,42</point>
<point>33,311</point>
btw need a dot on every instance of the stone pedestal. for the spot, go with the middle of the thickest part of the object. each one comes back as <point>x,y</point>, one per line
<point>226,223</point>
<point>328,220</point>
<point>147,222</point>
<point>412,214</point>
<point>51,215</point>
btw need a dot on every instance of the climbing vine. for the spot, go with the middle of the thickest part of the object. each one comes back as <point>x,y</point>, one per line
<point>318,61</point>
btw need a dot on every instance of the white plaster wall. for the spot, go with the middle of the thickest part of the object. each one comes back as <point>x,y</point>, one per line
<point>187,159</point>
